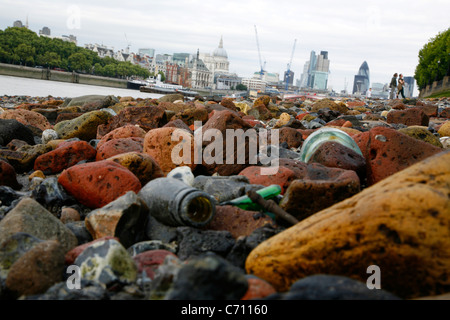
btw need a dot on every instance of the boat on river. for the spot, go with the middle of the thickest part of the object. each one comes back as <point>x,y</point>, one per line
<point>165,88</point>
<point>136,84</point>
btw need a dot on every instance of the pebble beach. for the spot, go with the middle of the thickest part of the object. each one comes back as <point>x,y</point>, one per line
<point>89,205</point>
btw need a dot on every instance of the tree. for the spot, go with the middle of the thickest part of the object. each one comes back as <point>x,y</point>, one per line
<point>79,62</point>
<point>25,53</point>
<point>49,59</point>
<point>434,60</point>
<point>241,87</point>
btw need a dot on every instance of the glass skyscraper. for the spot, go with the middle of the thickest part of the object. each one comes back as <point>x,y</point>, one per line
<point>315,72</point>
<point>362,80</point>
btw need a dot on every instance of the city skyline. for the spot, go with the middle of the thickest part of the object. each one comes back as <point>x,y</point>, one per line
<point>387,35</point>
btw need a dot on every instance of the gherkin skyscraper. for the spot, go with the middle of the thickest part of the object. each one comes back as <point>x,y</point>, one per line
<point>362,80</point>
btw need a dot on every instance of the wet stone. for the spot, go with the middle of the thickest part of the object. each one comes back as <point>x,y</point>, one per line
<point>78,228</point>
<point>89,290</point>
<point>30,217</point>
<point>200,277</point>
<point>332,287</point>
<point>37,270</point>
<point>52,196</point>
<point>107,262</point>
<point>147,245</point>
<point>194,242</point>
<point>13,248</point>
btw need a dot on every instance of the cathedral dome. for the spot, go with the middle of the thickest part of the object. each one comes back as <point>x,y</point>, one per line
<point>220,51</point>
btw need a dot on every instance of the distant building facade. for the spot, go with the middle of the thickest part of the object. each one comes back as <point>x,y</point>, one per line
<point>409,86</point>
<point>199,74</point>
<point>255,83</point>
<point>147,52</point>
<point>45,31</point>
<point>101,50</point>
<point>361,83</point>
<point>315,72</point>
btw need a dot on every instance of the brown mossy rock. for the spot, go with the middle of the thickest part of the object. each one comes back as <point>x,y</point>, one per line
<point>400,224</point>
<point>421,133</point>
<point>146,117</point>
<point>37,270</point>
<point>332,105</point>
<point>262,100</point>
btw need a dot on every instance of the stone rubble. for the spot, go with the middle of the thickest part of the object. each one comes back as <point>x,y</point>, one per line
<point>72,171</point>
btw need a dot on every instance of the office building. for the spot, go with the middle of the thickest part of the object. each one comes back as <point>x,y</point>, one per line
<point>315,71</point>
<point>361,83</point>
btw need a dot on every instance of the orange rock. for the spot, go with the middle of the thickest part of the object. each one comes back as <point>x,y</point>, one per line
<point>96,184</point>
<point>126,131</point>
<point>158,143</point>
<point>119,146</point>
<point>347,124</point>
<point>65,156</point>
<point>27,117</point>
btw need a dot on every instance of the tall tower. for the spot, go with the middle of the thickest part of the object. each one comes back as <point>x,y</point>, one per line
<point>361,82</point>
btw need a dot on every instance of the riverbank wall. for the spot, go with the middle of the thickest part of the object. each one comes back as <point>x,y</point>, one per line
<point>436,87</point>
<point>62,76</point>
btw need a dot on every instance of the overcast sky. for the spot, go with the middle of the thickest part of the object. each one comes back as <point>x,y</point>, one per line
<point>388,34</point>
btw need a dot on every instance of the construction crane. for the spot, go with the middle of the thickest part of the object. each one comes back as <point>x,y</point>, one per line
<point>261,73</point>
<point>288,72</point>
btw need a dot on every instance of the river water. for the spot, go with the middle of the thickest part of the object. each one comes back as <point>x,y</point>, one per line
<point>17,86</point>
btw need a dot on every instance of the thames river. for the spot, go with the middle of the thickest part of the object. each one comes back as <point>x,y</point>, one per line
<point>17,86</point>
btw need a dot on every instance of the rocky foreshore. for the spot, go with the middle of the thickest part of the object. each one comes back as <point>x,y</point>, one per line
<point>91,204</point>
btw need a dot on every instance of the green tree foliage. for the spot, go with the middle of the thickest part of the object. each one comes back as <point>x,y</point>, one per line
<point>434,60</point>
<point>241,86</point>
<point>23,46</point>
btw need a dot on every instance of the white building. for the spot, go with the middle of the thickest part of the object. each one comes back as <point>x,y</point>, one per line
<point>102,51</point>
<point>218,64</point>
<point>218,61</point>
<point>255,84</point>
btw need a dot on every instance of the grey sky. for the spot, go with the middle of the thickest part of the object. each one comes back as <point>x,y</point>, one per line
<point>386,34</point>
